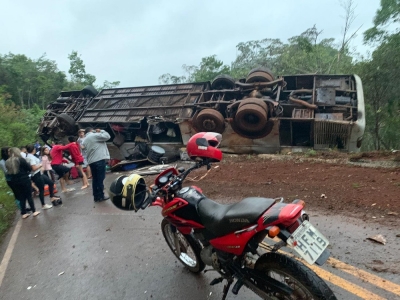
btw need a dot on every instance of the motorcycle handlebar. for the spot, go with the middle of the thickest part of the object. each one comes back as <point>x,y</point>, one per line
<point>179,179</point>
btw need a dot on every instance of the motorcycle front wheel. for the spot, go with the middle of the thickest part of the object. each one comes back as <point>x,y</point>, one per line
<point>305,283</point>
<point>189,248</point>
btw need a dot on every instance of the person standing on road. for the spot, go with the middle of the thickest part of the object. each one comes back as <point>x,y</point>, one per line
<point>77,159</point>
<point>41,180</point>
<point>81,138</point>
<point>19,170</point>
<point>46,162</point>
<point>97,154</point>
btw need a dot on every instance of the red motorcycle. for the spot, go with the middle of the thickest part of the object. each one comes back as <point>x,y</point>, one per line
<point>200,231</point>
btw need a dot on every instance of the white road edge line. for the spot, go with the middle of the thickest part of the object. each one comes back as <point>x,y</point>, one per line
<point>9,251</point>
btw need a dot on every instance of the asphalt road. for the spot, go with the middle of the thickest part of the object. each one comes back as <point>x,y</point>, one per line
<point>84,250</point>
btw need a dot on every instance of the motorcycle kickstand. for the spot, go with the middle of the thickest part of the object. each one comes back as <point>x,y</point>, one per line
<point>226,288</point>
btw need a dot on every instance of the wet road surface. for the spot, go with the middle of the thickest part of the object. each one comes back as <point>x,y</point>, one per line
<point>84,250</point>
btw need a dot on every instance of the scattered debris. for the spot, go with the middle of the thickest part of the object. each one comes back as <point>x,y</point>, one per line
<point>377,261</point>
<point>29,287</point>
<point>378,239</point>
<point>373,204</point>
<point>392,213</point>
<point>379,269</point>
<point>323,196</point>
<point>62,273</point>
<point>36,236</point>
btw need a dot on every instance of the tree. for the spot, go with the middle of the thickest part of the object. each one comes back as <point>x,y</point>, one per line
<point>388,14</point>
<point>349,18</point>
<point>253,54</point>
<point>30,81</point>
<point>79,77</point>
<point>17,127</point>
<point>171,79</point>
<point>209,68</point>
<point>109,85</point>
<point>381,80</point>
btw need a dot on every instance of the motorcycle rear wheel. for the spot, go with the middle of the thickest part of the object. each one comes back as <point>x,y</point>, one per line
<point>305,283</point>
<point>190,248</point>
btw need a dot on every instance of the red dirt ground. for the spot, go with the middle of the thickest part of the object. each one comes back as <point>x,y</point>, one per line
<point>367,193</point>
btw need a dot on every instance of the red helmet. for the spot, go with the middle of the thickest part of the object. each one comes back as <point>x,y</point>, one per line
<point>204,145</point>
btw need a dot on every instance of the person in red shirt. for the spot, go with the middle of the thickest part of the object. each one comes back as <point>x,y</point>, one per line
<point>57,160</point>
<point>77,159</point>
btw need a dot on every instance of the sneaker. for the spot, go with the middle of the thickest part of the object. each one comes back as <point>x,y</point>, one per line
<point>47,206</point>
<point>25,216</point>
<point>36,213</point>
<point>102,199</point>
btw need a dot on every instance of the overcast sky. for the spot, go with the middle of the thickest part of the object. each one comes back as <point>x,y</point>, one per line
<point>137,41</point>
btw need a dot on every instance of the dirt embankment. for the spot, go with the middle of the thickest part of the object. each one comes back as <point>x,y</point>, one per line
<point>340,184</point>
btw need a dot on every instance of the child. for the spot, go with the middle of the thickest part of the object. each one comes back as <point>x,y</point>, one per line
<point>46,162</point>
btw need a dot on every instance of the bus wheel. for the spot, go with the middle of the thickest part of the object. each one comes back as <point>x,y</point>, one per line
<point>252,115</point>
<point>260,74</point>
<point>210,120</point>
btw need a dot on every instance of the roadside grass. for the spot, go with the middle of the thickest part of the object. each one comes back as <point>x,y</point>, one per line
<point>7,206</point>
<point>311,152</point>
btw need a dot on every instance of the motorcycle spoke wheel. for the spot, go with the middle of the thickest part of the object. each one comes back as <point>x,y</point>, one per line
<point>304,282</point>
<point>188,246</point>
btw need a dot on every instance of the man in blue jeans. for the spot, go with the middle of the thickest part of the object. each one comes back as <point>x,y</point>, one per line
<point>97,154</point>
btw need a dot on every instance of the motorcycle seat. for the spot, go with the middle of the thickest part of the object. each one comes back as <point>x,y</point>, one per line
<point>221,219</point>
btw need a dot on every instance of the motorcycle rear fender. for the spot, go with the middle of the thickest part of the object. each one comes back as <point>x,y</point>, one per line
<point>323,257</point>
<point>280,214</point>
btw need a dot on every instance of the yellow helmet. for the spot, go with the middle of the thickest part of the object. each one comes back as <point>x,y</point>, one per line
<point>128,192</point>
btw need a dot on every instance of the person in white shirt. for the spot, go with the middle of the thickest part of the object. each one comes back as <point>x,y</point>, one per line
<point>39,179</point>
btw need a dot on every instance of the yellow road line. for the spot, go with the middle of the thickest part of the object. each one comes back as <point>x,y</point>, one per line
<point>344,284</point>
<point>340,282</point>
<point>368,277</point>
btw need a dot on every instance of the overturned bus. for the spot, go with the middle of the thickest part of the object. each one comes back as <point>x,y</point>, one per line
<point>256,114</point>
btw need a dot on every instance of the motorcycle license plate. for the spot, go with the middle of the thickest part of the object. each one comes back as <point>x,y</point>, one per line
<point>308,242</point>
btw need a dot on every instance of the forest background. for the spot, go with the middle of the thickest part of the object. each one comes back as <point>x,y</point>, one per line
<point>28,85</point>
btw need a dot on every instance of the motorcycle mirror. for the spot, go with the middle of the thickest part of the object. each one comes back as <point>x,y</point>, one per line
<point>181,169</point>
